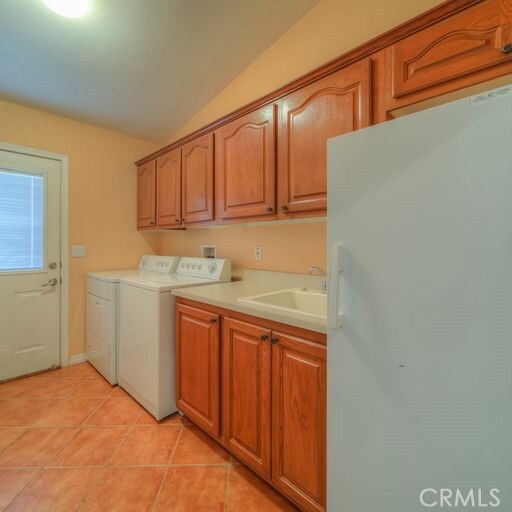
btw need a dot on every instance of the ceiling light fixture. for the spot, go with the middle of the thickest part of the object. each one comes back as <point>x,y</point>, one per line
<point>68,8</point>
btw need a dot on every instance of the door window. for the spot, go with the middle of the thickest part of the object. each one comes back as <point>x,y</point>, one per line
<point>21,221</point>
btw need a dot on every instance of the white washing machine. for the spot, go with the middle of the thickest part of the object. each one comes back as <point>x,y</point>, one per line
<point>147,330</point>
<point>103,310</point>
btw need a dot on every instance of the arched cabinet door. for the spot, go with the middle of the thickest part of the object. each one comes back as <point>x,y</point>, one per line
<point>468,48</point>
<point>146,195</point>
<point>334,105</point>
<point>197,194</point>
<point>245,166</point>
<point>168,185</point>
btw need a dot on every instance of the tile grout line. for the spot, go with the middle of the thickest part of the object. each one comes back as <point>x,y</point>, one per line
<point>36,474</point>
<point>178,439</point>
<point>45,466</point>
<point>166,472</point>
<point>15,438</point>
<point>107,466</point>
<point>228,487</point>
<point>123,440</point>
<point>92,489</point>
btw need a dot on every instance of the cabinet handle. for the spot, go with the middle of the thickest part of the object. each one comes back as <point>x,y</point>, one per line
<point>264,337</point>
<point>270,209</point>
<point>274,340</point>
<point>284,208</point>
<point>213,320</point>
<point>507,48</point>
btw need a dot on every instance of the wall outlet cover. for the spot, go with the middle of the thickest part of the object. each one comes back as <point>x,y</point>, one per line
<point>78,251</point>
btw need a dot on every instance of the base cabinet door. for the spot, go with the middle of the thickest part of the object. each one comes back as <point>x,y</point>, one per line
<point>299,382</point>
<point>198,366</point>
<point>146,195</point>
<point>246,392</point>
<point>334,105</point>
<point>168,187</point>
<point>197,175</point>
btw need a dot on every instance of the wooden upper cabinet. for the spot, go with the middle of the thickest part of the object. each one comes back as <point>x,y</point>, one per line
<point>197,203</point>
<point>245,165</point>
<point>299,390</point>
<point>146,195</point>
<point>168,186</point>
<point>246,392</point>
<point>336,104</point>
<point>198,366</point>
<point>464,49</point>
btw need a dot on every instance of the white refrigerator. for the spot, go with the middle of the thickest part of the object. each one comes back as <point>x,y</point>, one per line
<point>420,311</point>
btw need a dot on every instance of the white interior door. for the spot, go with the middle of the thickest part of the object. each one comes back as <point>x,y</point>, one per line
<point>29,263</point>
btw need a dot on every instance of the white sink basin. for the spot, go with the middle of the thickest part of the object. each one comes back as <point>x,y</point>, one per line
<point>306,301</point>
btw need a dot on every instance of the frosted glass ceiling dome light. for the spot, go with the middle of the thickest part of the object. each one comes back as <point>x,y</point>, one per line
<point>68,8</point>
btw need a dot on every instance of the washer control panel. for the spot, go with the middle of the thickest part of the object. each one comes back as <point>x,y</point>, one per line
<point>162,264</point>
<point>209,268</point>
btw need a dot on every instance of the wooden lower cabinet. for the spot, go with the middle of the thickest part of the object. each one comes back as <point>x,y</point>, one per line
<point>299,412</point>
<point>246,392</point>
<point>270,388</point>
<point>198,366</point>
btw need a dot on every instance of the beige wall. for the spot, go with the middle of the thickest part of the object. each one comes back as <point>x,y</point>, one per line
<point>102,181</point>
<point>286,247</point>
<point>102,195</point>
<point>331,28</point>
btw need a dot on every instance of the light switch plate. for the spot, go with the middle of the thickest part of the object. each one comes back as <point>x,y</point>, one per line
<point>78,251</point>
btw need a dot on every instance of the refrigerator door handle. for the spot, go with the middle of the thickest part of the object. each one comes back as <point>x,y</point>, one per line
<point>334,309</point>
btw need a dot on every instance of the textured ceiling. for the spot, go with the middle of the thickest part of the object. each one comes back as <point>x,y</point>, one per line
<point>142,67</point>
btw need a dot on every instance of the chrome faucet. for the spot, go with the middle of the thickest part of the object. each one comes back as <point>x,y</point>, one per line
<point>323,273</point>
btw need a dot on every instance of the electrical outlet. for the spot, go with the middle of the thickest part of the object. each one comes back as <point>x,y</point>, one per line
<point>258,253</point>
<point>209,251</point>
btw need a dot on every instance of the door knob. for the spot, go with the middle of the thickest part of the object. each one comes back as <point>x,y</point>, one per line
<point>264,337</point>
<point>274,340</point>
<point>52,265</point>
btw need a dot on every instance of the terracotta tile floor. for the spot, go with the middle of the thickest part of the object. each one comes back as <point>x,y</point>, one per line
<point>69,441</point>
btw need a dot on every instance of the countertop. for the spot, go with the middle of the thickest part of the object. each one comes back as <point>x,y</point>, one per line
<point>226,295</point>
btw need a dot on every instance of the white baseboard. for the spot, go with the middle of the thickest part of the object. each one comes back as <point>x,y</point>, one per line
<point>78,358</point>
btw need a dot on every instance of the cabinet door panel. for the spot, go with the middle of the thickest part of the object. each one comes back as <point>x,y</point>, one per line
<point>299,381</point>
<point>461,45</point>
<point>198,366</point>
<point>245,165</point>
<point>168,185</point>
<point>198,180</point>
<point>335,105</point>
<point>246,392</point>
<point>146,195</point>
